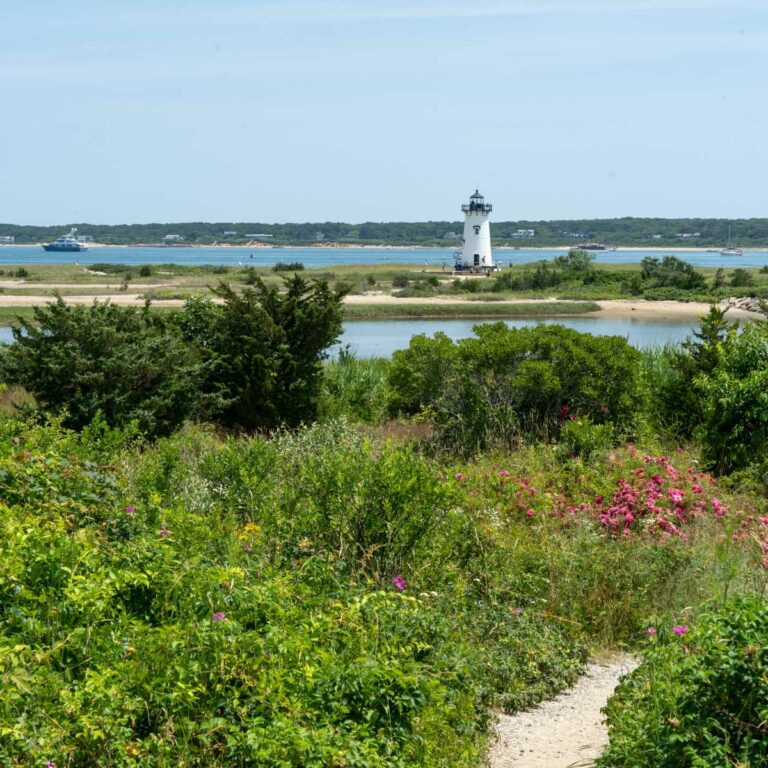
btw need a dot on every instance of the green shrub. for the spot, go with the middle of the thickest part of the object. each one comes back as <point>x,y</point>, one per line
<point>354,388</point>
<point>417,374</point>
<point>510,383</point>
<point>580,437</point>
<point>266,349</point>
<point>700,697</point>
<point>145,270</point>
<point>741,278</point>
<point>291,266</point>
<point>734,400</point>
<point>123,363</point>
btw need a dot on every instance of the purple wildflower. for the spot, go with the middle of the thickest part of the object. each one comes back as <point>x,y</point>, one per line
<point>399,583</point>
<point>651,631</point>
<point>220,616</point>
<point>130,509</point>
<point>680,629</point>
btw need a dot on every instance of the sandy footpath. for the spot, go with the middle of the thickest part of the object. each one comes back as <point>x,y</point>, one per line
<point>566,731</point>
<point>619,308</point>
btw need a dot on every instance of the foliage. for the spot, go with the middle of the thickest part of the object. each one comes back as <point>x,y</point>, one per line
<point>741,278</point>
<point>700,697</point>
<point>123,363</point>
<point>671,272</point>
<point>291,266</point>
<point>620,231</point>
<point>354,388</point>
<point>510,383</point>
<point>267,348</point>
<point>734,397</point>
<point>670,373</point>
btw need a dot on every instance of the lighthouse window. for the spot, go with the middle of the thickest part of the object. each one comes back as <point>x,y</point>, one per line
<point>477,259</point>
<point>477,230</point>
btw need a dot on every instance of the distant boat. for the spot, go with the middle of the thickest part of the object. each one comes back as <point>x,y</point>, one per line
<point>591,247</point>
<point>66,242</point>
<point>730,250</point>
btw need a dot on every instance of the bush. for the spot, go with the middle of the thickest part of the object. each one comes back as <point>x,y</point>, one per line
<point>354,388</point>
<point>123,363</point>
<point>742,278</point>
<point>145,270</point>
<point>700,697</point>
<point>671,272</point>
<point>417,374</point>
<point>734,400</point>
<point>580,437</point>
<point>508,383</point>
<point>266,350</point>
<point>291,266</point>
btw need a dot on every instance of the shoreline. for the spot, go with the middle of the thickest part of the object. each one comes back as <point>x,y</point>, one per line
<point>615,308</point>
<point>345,246</point>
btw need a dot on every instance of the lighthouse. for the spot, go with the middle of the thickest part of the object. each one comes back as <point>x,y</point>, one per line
<point>476,252</point>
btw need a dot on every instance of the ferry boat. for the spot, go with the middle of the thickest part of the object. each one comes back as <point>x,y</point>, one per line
<point>591,247</point>
<point>66,242</point>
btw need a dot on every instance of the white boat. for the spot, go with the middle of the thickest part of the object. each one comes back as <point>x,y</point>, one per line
<point>730,250</point>
<point>66,242</point>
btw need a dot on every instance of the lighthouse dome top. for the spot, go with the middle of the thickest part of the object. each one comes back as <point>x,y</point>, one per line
<point>477,203</point>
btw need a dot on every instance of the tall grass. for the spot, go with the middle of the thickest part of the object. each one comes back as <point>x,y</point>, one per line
<point>355,388</point>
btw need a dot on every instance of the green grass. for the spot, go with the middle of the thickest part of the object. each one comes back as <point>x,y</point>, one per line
<point>465,311</point>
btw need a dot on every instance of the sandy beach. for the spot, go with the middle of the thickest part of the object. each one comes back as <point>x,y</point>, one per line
<point>618,308</point>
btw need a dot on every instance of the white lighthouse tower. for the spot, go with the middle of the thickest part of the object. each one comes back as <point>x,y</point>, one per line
<point>476,253</point>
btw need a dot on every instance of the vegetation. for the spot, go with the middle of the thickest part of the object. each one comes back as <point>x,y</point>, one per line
<point>362,591</point>
<point>701,233</point>
<point>700,697</point>
<point>508,384</point>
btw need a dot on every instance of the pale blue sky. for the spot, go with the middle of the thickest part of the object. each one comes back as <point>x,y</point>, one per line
<point>310,110</point>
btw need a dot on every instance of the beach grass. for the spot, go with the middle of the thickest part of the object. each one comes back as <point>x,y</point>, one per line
<point>467,311</point>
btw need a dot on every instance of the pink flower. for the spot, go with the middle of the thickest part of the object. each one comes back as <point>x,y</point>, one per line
<point>130,509</point>
<point>50,764</point>
<point>651,631</point>
<point>530,513</point>
<point>565,410</point>
<point>459,476</point>
<point>504,473</point>
<point>399,583</point>
<point>697,489</point>
<point>680,629</point>
<point>220,616</point>
<point>517,611</point>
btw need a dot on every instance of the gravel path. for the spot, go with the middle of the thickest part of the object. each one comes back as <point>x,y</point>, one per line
<point>566,731</point>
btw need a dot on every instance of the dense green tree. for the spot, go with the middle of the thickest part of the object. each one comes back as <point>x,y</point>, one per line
<point>266,348</point>
<point>127,364</point>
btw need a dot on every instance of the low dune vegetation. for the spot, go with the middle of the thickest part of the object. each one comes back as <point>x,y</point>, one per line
<point>218,549</point>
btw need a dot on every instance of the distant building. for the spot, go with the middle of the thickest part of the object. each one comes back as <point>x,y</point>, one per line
<point>84,239</point>
<point>259,235</point>
<point>172,239</point>
<point>685,235</point>
<point>521,233</point>
<point>319,236</point>
<point>656,237</point>
<point>451,237</point>
<point>7,239</point>
<point>230,233</point>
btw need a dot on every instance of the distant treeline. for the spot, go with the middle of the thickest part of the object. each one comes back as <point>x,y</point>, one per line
<point>624,231</point>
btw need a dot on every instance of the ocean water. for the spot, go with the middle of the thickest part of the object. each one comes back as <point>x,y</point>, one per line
<point>329,257</point>
<point>380,338</point>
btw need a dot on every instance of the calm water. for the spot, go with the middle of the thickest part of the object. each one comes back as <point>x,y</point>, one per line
<point>380,338</point>
<point>329,257</point>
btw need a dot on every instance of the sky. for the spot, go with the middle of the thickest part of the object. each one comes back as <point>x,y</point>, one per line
<point>365,110</point>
